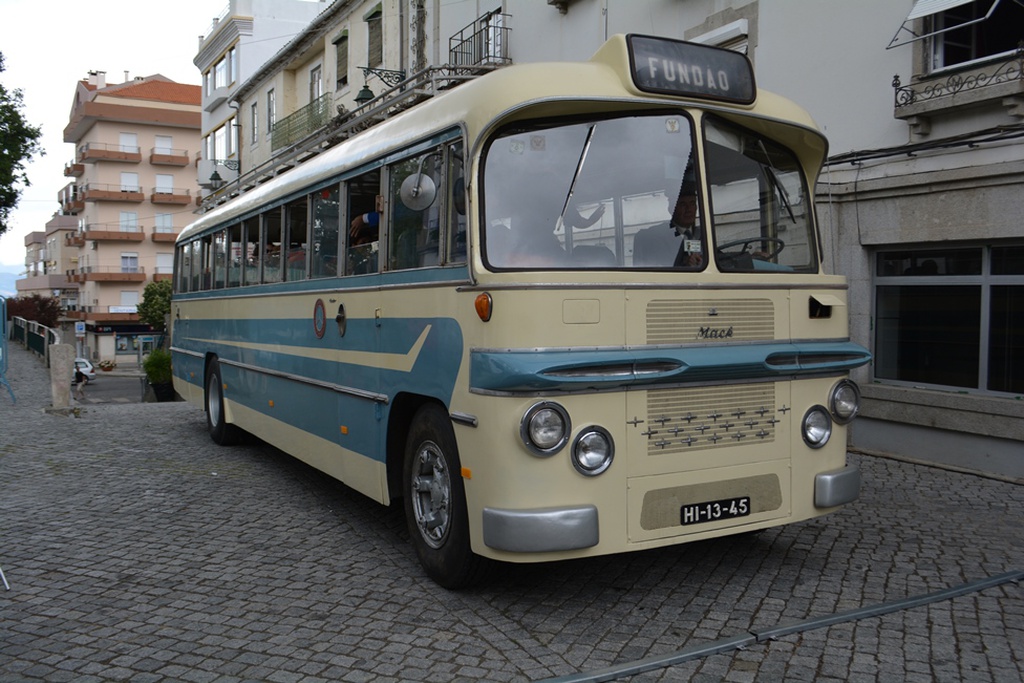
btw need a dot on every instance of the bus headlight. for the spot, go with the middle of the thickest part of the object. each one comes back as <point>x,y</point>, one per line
<point>592,451</point>
<point>817,427</point>
<point>545,428</point>
<point>844,400</point>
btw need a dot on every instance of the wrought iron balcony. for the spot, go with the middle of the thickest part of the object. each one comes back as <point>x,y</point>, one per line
<point>485,41</point>
<point>933,94</point>
<point>303,122</point>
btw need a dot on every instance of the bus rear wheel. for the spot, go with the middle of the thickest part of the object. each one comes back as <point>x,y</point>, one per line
<point>216,422</point>
<point>435,501</point>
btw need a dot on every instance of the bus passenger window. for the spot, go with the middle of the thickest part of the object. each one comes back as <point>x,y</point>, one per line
<point>206,280</point>
<point>415,217</point>
<point>297,241</point>
<point>234,255</point>
<point>220,259</point>
<point>364,210</point>
<point>184,267</point>
<point>270,249</point>
<point>250,247</point>
<point>326,227</point>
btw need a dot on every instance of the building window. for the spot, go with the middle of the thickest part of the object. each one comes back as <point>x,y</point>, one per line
<point>976,31</point>
<point>271,111</point>
<point>164,222</point>
<point>341,55</point>
<point>233,65</point>
<point>220,74</point>
<point>129,262</point>
<point>947,318</point>
<point>232,136</point>
<point>254,122</point>
<point>375,38</point>
<point>316,83</point>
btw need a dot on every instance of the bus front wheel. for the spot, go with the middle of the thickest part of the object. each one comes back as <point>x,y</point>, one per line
<point>435,501</point>
<point>216,422</point>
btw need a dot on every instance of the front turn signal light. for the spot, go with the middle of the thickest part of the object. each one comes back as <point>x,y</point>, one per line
<point>484,306</point>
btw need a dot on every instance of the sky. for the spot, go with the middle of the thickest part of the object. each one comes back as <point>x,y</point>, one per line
<point>50,45</point>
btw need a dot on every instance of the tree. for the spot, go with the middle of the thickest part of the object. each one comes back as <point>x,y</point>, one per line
<point>18,143</point>
<point>43,310</point>
<point>155,304</point>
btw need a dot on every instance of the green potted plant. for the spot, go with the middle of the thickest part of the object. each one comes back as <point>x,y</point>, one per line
<point>158,372</point>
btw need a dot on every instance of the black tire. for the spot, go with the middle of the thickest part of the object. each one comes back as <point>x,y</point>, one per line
<point>216,422</point>
<point>435,501</point>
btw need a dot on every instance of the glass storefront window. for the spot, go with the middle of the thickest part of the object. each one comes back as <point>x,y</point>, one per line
<point>951,317</point>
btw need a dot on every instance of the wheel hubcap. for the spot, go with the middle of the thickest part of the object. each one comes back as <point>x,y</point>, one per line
<point>213,400</point>
<point>431,495</point>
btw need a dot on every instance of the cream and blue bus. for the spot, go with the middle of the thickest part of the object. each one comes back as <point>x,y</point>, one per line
<point>560,311</point>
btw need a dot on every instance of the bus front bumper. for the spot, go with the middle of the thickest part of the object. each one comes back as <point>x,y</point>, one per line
<point>838,487</point>
<point>541,530</point>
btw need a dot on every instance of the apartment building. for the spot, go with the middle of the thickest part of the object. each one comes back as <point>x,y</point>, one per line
<point>133,190</point>
<point>919,205</point>
<point>241,38</point>
<point>48,261</point>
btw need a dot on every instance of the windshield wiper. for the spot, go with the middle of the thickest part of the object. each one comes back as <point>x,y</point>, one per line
<point>579,168</point>
<point>769,173</point>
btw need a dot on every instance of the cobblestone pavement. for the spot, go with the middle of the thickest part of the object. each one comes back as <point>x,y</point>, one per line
<point>137,550</point>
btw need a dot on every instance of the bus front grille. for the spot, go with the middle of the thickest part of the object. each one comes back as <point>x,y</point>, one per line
<point>688,419</point>
<point>672,321</point>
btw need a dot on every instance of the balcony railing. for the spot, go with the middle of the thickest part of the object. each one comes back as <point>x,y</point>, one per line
<point>994,82</point>
<point>162,156</point>
<point>303,122</point>
<point>163,235</point>
<point>92,192</point>
<point>171,195</point>
<point>485,41</point>
<point>74,169</point>
<point>102,151</point>
<point>111,274</point>
<point>71,199</point>
<point>113,232</point>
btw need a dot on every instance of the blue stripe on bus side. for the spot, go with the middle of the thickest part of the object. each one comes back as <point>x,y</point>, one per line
<point>288,346</point>
<point>585,370</point>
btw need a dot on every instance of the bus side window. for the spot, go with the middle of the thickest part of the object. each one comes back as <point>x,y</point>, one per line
<point>456,205</point>
<point>250,247</point>
<point>270,247</point>
<point>220,262</point>
<point>202,277</point>
<point>234,255</point>
<point>297,240</point>
<point>415,218</point>
<point>364,212</point>
<point>326,220</point>
<point>184,267</point>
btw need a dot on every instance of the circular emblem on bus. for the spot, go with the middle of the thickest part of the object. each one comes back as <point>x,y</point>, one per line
<point>319,319</point>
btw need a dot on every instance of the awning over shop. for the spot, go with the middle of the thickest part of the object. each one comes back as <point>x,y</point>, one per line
<point>927,8</point>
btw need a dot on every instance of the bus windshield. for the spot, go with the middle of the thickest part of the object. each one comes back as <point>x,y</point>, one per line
<point>623,193</point>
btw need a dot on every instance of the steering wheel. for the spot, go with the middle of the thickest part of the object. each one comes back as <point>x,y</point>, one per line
<point>770,255</point>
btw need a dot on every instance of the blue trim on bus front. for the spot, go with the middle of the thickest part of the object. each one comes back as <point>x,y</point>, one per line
<point>596,369</point>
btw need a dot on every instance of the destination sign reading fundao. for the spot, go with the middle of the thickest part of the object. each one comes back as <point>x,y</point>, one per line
<point>674,67</point>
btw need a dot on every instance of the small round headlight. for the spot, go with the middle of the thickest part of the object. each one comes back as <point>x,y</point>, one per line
<point>592,451</point>
<point>844,401</point>
<point>817,427</point>
<point>545,428</point>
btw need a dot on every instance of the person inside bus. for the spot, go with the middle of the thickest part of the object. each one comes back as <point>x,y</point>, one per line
<point>677,242</point>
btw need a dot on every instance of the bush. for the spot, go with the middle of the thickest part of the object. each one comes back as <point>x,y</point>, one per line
<point>158,367</point>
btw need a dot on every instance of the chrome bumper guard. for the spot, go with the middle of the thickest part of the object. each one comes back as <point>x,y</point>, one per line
<point>837,487</point>
<point>541,530</point>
